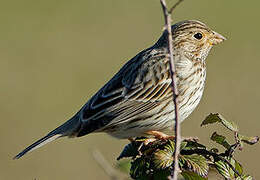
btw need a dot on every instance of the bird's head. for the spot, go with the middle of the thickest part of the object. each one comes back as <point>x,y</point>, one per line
<point>193,38</point>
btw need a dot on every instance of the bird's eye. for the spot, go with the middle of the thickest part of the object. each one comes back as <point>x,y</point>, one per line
<point>198,35</point>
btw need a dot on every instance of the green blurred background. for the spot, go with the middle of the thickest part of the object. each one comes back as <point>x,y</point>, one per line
<point>55,54</point>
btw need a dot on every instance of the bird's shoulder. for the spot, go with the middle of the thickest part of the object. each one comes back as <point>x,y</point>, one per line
<point>142,72</point>
<point>140,85</point>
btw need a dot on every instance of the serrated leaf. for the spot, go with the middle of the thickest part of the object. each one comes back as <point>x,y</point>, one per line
<point>183,145</point>
<point>195,163</point>
<point>124,166</point>
<point>188,175</point>
<point>220,140</point>
<point>170,146</point>
<point>163,159</point>
<point>238,167</point>
<point>193,145</point>
<point>161,174</point>
<point>247,177</point>
<point>230,125</point>
<point>224,169</point>
<point>139,168</point>
<point>214,118</point>
<point>248,140</point>
<point>210,119</point>
<point>130,150</point>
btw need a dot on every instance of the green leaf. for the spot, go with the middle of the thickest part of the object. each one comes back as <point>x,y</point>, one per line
<point>246,177</point>
<point>191,145</point>
<point>163,158</point>
<point>214,118</point>
<point>230,125</point>
<point>238,167</point>
<point>188,175</point>
<point>170,146</point>
<point>211,119</point>
<point>248,140</point>
<point>139,168</point>
<point>130,150</point>
<point>220,140</point>
<point>224,169</point>
<point>195,163</point>
<point>183,145</point>
<point>161,174</point>
<point>124,166</point>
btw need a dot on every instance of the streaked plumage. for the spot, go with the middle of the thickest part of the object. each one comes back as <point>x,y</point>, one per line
<point>138,98</point>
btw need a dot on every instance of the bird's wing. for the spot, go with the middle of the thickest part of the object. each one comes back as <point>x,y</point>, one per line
<point>137,88</point>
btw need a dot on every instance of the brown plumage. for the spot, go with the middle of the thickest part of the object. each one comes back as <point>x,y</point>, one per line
<point>138,99</point>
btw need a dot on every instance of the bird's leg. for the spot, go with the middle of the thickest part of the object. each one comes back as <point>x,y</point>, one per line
<point>159,135</point>
<point>149,140</point>
<point>145,142</point>
<point>162,136</point>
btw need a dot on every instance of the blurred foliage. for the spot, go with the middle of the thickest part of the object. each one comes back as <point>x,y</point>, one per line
<point>155,160</point>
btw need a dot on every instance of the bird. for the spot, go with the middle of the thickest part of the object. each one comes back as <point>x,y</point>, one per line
<point>138,100</point>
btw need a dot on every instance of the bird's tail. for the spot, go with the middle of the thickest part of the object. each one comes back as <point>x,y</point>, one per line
<point>69,128</point>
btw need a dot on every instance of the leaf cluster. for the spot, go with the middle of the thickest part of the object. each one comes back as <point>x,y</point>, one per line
<point>155,160</point>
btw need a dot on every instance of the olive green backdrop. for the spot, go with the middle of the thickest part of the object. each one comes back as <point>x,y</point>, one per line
<point>55,54</point>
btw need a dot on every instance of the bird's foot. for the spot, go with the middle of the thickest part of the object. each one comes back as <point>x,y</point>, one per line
<point>160,135</point>
<point>157,135</point>
<point>142,142</point>
<point>164,137</point>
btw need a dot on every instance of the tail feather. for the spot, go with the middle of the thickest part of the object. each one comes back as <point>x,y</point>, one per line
<point>69,128</point>
<point>38,144</point>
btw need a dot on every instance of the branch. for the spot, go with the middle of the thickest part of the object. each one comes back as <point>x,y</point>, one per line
<point>177,128</point>
<point>102,162</point>
<point>175,5</point>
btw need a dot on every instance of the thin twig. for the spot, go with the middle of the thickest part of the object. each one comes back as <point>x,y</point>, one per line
<point>175,5</point>
<point>167,18</point>
<point>102,162</point>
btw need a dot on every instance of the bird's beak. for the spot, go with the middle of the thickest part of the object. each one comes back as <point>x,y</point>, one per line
<point>216,38</point>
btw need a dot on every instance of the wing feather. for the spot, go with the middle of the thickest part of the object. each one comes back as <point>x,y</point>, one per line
<point>136,89</point>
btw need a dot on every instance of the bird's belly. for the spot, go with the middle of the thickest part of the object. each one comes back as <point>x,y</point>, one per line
<point>159,121</point>
<point>188,104</point>
<point>162,117</point>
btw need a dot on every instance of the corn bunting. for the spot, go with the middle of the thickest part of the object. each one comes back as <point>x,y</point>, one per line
<point>137,101</point>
